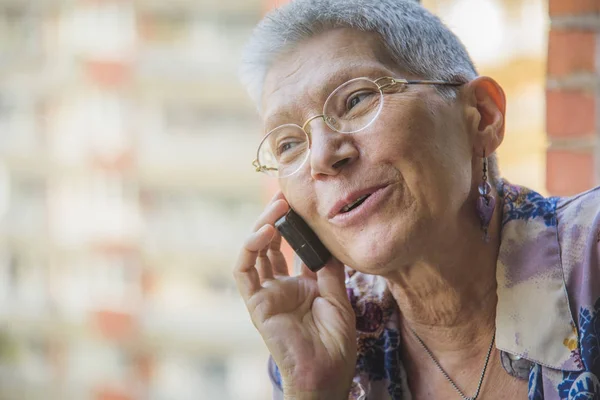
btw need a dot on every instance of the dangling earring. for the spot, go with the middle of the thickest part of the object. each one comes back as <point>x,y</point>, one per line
<point>486,203</point>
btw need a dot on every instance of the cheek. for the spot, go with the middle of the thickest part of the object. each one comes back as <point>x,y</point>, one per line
<point>300,197</point>
<point>423,145</point>
<point>403,137</point>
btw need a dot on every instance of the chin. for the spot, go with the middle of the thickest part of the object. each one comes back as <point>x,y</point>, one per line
<point>373,254</point>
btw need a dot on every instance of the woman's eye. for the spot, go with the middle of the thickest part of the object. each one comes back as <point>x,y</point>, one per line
<point>355,99</point>
<point>283,147</point>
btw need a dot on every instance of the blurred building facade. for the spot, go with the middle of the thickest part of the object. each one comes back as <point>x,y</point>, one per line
<point>125,192</point>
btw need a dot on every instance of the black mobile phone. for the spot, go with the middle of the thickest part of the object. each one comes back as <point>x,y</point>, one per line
<point>303,240</point>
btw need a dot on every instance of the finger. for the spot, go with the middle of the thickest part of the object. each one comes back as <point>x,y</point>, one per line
<point>271,214</point>
<point>245,273</point>
<point>278,196</point>
<point>263,264</point>
<point>305,271</point>
<point>276,257</point>
<point>332,282</point>
<point>275,244</point>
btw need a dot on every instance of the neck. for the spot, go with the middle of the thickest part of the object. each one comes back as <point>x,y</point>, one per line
<point>449,298</point>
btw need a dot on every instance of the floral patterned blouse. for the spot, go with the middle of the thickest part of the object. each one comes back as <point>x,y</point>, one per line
<point>548,312</point>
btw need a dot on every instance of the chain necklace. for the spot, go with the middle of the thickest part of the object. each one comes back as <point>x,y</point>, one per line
<point>487,359</point>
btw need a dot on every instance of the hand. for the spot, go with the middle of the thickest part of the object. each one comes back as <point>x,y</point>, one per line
<point>306,321</point>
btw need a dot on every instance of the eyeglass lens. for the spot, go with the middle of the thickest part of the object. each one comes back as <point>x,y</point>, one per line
<point>350,108</point>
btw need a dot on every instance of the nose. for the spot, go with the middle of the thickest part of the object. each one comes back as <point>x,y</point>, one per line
<point>330,151</point>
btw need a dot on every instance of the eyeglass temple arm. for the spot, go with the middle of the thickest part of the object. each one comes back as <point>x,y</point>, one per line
<point>389,81</point>
<point>261,168</point>
<point>426,82</point>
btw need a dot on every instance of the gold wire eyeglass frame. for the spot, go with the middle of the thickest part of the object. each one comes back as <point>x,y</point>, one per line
<point>382,83</point>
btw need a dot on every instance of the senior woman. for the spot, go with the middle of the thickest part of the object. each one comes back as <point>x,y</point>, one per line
<point>446,281</point>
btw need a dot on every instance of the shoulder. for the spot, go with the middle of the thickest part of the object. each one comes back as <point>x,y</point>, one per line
<point>524,205</point>
<point>570,224</point>
<point>581,210</point>
<point>578,232</point>
<point>579,239</point>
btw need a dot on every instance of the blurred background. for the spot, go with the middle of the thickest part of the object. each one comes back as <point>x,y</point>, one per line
<point>120,213</point>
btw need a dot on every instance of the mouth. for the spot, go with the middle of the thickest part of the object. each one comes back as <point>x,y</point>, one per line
<point>354,204</point>
<point>353,201</point>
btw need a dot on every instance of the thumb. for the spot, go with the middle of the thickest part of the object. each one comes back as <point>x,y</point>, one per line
<point>331,280</point>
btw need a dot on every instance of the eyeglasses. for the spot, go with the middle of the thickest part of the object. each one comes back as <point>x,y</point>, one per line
<point>350,108</point>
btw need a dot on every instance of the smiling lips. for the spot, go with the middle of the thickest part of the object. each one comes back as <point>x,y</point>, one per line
<point>353,201</point>
<point>354,204</point>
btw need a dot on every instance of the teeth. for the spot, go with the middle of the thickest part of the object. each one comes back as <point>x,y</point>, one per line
<point>349,206</point>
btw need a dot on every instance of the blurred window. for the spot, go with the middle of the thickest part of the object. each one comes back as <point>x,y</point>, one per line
<point>20,32</point>
<point>213,372</point>
<point>105,30</point>
<point>203,119</point>
<point>27,213</point>
<point>164,28</point>
<point>189,221</point>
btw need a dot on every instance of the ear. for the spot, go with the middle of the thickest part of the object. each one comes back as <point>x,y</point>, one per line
<point>485,110</point>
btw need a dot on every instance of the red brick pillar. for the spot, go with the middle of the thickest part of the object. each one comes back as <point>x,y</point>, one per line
<point>573,96</point>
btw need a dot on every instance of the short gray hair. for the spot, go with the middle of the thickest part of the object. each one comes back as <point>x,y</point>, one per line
<point>416,40</point>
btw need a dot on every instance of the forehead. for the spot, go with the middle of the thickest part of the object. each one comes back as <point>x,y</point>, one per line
<point>306,75</point>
